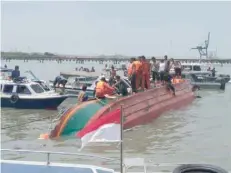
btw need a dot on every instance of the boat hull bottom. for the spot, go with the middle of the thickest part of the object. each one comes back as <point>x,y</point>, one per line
<point>172,104</point>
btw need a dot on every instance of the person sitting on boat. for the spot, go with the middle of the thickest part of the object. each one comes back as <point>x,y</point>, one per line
<point>15,73</point>
<point>59,80</point>
<point>83,96</point>
<point>103,88</point>
<point>121,87</point>
<point>168,82</point>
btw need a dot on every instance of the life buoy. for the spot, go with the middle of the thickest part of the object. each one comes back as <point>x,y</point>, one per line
<point>198,168</point>
<point>14,98</point>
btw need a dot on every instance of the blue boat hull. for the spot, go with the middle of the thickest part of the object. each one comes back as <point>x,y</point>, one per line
<point>44,103</point>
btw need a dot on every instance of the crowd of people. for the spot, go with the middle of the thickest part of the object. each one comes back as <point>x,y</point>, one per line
<point>140,70</point>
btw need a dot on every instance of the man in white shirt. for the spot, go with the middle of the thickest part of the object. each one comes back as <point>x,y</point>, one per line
<point>154,69</point>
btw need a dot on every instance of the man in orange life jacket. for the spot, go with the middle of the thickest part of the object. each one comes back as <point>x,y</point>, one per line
<point>103,88</point>
<point>138,71</point>
<point>145,76</point>
<point>132,74</point>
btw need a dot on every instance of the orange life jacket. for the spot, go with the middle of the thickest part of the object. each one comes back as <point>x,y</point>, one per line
<point>130,69</point>
<point>102,88</point>
<point>146,67</point>
<point>138,66</point>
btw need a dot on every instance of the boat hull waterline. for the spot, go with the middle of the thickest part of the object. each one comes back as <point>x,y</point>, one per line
<point>140,108</point>
<point>50,103</point>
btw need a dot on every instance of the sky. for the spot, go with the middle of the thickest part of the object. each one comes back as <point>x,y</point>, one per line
<point>126,28</point>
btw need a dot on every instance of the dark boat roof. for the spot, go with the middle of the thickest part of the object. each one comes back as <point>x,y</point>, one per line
<point>10,166</point>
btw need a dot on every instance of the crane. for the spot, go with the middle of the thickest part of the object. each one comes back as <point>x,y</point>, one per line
<point>203,50</point>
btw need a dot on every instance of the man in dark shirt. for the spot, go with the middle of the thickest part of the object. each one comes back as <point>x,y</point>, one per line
<point>121,87</point>
<point>60,80</point>
<point>15,73</point>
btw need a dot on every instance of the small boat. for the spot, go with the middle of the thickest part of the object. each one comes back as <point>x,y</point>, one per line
<point>198,67</point>
<point>204,80</point>
<point>76,79</point>
<point>25,94</point>
<point>139,108</point>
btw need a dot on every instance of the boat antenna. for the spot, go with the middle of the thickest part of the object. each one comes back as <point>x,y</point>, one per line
<point>121,138</point>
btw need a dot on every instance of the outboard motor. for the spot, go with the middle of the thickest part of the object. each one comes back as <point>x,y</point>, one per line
<point>198,168</point>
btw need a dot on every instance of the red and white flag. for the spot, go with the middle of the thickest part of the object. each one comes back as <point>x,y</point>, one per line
<point>105,129</point>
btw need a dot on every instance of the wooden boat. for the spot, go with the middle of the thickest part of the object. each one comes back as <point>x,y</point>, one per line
<point>140,108</point>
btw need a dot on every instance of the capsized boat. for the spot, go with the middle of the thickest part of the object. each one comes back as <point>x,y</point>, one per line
<point>139,108</point>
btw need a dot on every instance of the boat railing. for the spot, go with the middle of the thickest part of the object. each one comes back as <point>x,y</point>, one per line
<point>49,153</point>
<point>129,163</point>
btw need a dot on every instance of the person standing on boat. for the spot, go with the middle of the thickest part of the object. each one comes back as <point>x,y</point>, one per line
<point>145,77</point>
<point>112,75</point>
<point>213,72</point>
<point>15,73</point>
<point>161,70</point>
<point>132,74</point>
<point>121,87</point>
<point>139,72</point>
<point>177,68</point>
<point>83,96</point>
<point>154,69</point>
<point>103,88</point>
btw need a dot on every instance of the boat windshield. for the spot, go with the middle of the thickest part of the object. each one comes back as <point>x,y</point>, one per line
<point>37,88</point>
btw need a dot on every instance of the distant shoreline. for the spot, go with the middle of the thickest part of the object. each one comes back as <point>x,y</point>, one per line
<point>50,56</point>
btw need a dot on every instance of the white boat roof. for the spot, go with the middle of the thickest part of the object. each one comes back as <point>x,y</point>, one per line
<point>193,64</point>
<point>81,74</point>
<point>12,82</point>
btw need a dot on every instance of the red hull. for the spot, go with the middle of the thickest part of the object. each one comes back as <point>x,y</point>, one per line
<point>144,107</point>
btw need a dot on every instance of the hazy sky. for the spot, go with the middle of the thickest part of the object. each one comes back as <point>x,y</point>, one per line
<point>128,28</point>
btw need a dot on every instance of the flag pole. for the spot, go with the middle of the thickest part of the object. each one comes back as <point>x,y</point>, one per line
<point>121,138</point>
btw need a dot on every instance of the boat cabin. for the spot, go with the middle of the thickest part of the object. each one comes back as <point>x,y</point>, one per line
<point>30,88</point>
<point>197,67</point>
